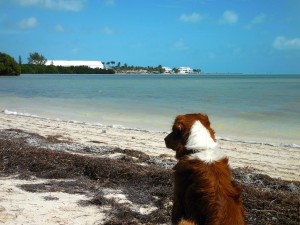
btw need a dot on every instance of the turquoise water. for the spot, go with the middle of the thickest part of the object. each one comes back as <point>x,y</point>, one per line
<point>262,108</point>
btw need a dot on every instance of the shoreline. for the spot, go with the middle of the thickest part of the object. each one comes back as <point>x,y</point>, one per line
<point>120,126</point>
<point>275,161</point>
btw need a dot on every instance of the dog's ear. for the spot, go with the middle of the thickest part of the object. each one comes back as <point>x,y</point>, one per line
<point>178,128</point>
<point>204,120</point>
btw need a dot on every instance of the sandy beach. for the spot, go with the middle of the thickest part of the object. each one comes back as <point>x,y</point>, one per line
<point>18,206</point>
<point>275,161</point>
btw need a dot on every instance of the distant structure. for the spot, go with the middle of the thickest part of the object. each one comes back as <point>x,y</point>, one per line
<point>185,70</point>
<point>91,64</point>
<point>168,70</point>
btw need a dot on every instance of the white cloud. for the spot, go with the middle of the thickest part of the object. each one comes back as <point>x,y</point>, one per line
<point>137,44</point>
<point>259,19</point>
<point>75,50</point>
<point>283,43</point>
<point>28,23</point>
<point>180,45</point>
<point>109,2</point>
<point>229,17</point>
<point>108,31</point>
<point>59,28</point>
<point>212,55</point>
<point>237,51</point>
<point>194,17</point>
<point>68,5</point>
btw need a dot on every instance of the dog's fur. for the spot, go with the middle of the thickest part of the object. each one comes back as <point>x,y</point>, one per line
<point>204,191</point>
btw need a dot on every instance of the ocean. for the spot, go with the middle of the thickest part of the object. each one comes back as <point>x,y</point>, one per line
<point>256,108</point>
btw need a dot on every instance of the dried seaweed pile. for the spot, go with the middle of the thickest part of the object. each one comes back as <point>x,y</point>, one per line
<point>266,200</point>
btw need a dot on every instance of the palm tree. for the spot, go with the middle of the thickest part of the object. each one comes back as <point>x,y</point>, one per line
<point>112,63</point>
<point>20,60</point>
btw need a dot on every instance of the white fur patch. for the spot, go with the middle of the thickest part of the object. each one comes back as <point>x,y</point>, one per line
<point>208,155</point>
<point>203,145</point>
<point>199,138</point>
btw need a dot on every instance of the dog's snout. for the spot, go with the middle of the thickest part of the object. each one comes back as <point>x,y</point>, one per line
<point>168,140</point>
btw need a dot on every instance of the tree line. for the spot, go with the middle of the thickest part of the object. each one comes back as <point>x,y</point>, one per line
<point>8,65</point>
<point>51,69</point>
<point>139,69</point>
<point>36,65</point>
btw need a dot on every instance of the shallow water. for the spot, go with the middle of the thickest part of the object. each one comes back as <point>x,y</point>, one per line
<point>262,108</point>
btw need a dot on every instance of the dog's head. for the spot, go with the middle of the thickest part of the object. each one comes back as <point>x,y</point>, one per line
<point>190,133</point>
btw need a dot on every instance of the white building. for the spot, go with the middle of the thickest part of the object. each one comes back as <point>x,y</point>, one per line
<point>91,64</point>
<point>185,70</point>
<point>168,70</point>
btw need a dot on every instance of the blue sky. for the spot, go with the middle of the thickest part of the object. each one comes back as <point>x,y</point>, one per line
<point>247,36</point>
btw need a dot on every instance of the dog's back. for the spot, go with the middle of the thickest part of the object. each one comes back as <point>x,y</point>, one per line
<point>206,193</point>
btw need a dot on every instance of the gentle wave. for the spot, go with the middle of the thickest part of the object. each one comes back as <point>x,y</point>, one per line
<point>8,112</point>
<point>259,142</point>
<point>115,126</point>
<point>119,126</point>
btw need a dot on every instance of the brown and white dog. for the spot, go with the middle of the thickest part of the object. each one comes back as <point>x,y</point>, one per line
<point>204,191</point>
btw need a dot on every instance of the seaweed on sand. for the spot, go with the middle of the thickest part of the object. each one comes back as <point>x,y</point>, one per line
<point>144,184</point>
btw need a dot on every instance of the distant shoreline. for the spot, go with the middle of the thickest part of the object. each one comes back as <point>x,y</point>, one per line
<point>192,74</point>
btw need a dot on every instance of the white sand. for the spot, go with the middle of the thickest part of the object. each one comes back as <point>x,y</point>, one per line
<point>20,207</point>
<point>275,161</point>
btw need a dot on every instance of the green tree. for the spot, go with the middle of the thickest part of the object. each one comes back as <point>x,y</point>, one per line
<point>197,71</point>
<point>118,67</point>
<point>160,69</point>
<point>176,70</point>
<point>51,69</point>
<point>36,58</point>
<point>8,65</point>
